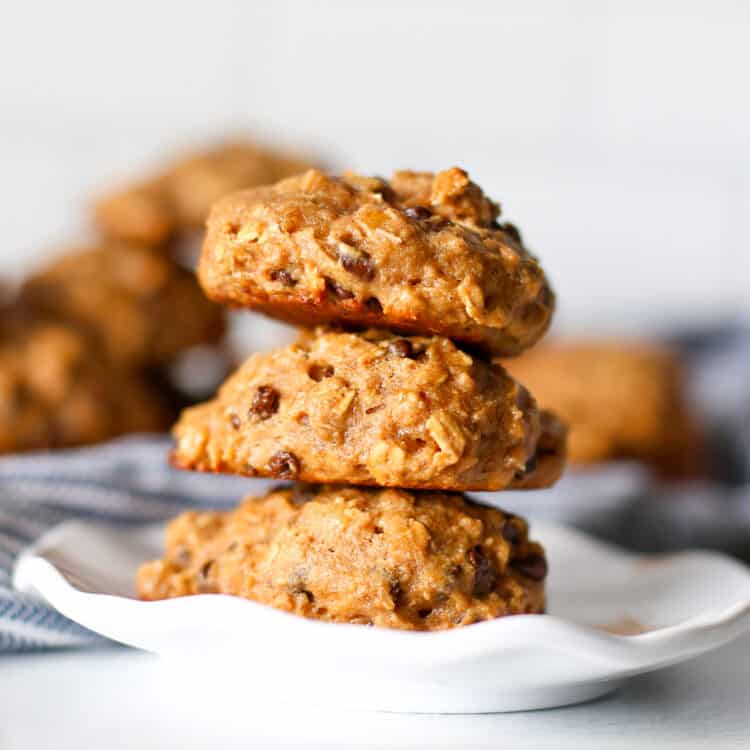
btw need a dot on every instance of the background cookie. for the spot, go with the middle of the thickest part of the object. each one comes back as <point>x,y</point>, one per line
<point>370,408</point>
<point>621,400</point>
<point>141,307</point>
<point>57,391</point>
<point>152,212</point>
<point>392,558</point>
<point>422,253</point>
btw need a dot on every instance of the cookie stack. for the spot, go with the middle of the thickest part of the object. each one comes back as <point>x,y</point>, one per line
<point>383,415</point>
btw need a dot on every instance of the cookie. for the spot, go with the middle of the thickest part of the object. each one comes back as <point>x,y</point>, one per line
<point>154,211</point>
<point>141,307</point>
<point>622,400</point>
<point>390,558</point>
<point>56,391</point>
<point>367,408</point>
<point>420,254</point>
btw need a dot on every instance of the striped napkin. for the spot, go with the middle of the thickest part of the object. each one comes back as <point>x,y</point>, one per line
<point>127,481</point>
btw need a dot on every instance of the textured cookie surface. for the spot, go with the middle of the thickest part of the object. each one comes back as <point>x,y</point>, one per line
<point>391,558</point>
<point>620,399</point>
<point>366,408</point>
<point>55,391</point>
<point>141,307</point>
<point>422,253</point>
<point>153,211</point>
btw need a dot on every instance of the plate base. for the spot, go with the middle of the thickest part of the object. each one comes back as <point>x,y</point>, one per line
<point>372,695</point>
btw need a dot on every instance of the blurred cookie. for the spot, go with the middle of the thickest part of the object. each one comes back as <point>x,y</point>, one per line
<point>371,408</point>
<point>7,293</point>
<point>420,253</point>
<point>140,306</point>
<point>390,558</point>
<point>621,400</point>
<point>153,211</point>
<point>57,391</point>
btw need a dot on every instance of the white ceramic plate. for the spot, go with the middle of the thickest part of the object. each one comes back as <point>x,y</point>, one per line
<point>612,615</point>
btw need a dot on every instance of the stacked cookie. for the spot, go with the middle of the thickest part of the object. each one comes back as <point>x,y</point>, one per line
<point>86,342</point>
<point>391,407</point>
<point>139,307</point>
<point>168,208</point>
<point>58,389</point>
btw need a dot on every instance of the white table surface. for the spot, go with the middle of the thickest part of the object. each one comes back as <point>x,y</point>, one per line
<point>116,698</point>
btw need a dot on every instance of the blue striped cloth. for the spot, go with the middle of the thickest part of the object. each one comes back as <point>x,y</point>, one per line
<point>127,481</point>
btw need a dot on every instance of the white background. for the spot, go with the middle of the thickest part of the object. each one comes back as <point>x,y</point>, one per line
<point>615,134</point>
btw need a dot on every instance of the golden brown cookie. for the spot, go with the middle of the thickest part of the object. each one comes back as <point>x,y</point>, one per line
<point>141,307</point>
<point>422,253</point>
<point>391,558</point>
<point>56,391</point>
<point>152,212</point>
<point>621,400</point>
<point>366,408</point>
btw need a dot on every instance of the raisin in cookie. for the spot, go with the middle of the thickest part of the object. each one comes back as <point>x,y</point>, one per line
<point>366,408</point>
<point>391,558</point>
<point>152,212</point>
<point>56,391</point>
<point>141,307</point>
<point>621,400</point>
<point>422,253</point>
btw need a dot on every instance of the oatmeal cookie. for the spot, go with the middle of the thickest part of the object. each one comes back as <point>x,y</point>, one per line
<point>56,391</point>
<point>386,557</point>
<point>367,408</point>
<point>422,254</point>
<point>152,212</point>
<point>622,400</point>
<point>141,307</point>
